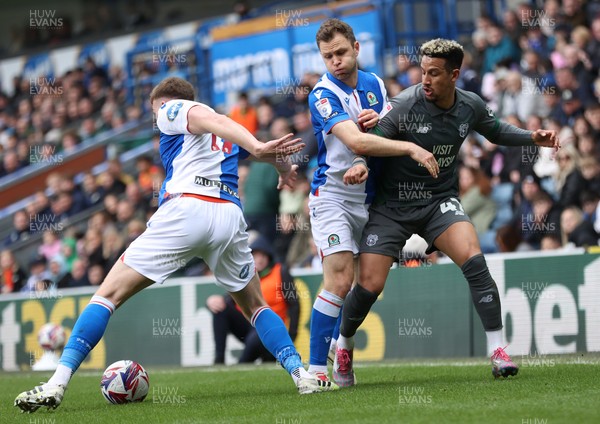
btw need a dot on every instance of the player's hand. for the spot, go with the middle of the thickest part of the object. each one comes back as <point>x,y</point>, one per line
<point>280,148</point>
<point>546,138</point>
<point>357,174</point>
<point>425,158</point>
<point>367,118</point>
<point>216,303</point>
<point>287,176</point>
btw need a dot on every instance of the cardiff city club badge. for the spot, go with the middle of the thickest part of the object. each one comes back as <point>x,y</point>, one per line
<point>372,98</point>
<point>372,239</point>
<point>463,129</point>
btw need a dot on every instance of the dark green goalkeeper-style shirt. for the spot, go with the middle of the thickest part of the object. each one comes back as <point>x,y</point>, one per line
<point>400,180</point>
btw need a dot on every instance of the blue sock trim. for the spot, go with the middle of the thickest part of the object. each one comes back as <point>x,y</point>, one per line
<point>321,331</point>
<point>274,336</point>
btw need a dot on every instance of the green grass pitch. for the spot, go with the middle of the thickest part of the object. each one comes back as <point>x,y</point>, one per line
<point>555,389</point>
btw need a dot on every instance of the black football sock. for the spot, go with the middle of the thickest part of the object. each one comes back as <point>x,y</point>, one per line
<point>484,292</point>
<point>356,307</point>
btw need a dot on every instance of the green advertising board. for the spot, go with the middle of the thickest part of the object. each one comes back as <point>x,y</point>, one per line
<point>551,304</point>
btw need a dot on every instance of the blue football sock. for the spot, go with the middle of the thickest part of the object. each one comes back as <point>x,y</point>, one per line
<point>325,314</point>
<point>336,329</point>
<point>87,332</point>
<point>275,338</point>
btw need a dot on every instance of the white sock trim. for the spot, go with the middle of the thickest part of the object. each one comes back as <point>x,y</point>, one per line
<point>328,304</point>
<point>102,301</point>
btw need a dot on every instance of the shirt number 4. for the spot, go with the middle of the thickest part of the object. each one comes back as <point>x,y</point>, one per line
<point>452,205</point>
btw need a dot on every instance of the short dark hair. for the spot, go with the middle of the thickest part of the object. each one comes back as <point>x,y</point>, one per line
<point>449,50</point>
<point>333,26</point>
<point>173,88</point>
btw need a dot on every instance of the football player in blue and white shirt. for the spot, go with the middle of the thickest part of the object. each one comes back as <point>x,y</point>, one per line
<point>343,104</point>
<point>199,215</point>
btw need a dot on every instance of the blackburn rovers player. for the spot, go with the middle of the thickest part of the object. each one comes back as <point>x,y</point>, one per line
<point>437,116</point>
<point>199,215</point>
<point>343,104</point>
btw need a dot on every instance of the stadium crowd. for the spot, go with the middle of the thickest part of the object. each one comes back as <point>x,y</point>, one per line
<point>537,68</point>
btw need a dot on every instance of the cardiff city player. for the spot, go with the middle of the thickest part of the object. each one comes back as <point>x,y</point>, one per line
<point>438,117</point>
<point>344,103</point>
<point>199,215</point>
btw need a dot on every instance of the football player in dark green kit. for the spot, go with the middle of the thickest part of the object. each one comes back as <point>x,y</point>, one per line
<point>437,116</point>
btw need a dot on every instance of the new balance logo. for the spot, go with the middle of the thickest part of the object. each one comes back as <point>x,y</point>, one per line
<point>487,299</point>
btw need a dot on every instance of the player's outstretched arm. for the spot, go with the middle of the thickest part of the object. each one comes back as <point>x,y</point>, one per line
<point>367,144</point>
<point>202,120</point>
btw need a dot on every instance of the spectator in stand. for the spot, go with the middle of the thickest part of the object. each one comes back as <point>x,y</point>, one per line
<point>125,213</point>
<point>303,129</point>
<point>569,182</point>
<point>21,229</point>
<point>280,293</point>
<point>67,185</point>
<point>12,277</point>
<point>146,171</point>
<point>37,273</point>
<point>475,189</point>
<point>92,193</point>
<point>244,113</point>
<point>134,229</point>
<point>590,171</point>
<point>592,115</point>
<point>51,245</point>
<point>77,277</point>
<point>265,115</point>
<point>10,163</point>
<point>95,274</point>
<point>91,247</point>
<point>575,229</point>
<point>550,242</point>
<point>499,48</point>
<point>58,271</point>
<point>112,246</point>
<point>110,204</point>
<point>545,219</point>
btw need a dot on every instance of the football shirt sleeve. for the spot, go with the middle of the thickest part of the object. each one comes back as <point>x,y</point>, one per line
<point>326,108</point>
<point>172,117</point>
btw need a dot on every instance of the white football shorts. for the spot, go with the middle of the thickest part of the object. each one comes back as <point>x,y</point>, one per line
<point>185,227</point>
<point>336,224</point>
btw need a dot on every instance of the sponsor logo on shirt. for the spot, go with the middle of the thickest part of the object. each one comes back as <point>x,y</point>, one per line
<point>211,183</point>
<point>173,111</point>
